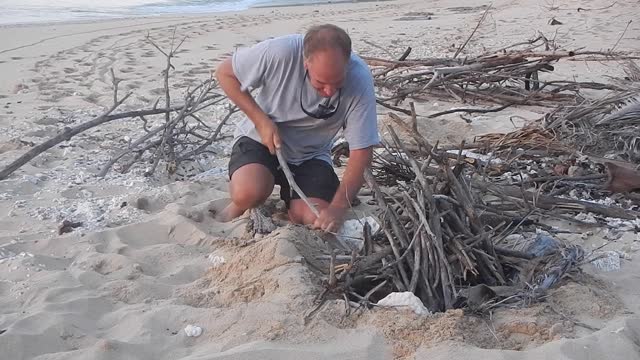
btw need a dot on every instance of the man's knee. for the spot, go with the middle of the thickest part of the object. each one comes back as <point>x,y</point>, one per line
<point>251,185</point>
<point>248,197</point>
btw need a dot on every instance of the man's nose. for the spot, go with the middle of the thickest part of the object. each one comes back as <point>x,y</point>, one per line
<point>329,90</point>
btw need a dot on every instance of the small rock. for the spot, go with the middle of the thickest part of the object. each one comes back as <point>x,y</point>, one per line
<point>193,331</point>
<point>143,203</point>
<point>216,260</point>
<point>405,300</point>
<point>68,226</point>
<point>553,21</point>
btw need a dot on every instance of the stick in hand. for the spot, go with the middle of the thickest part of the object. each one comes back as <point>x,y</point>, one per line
<point>292,182</point>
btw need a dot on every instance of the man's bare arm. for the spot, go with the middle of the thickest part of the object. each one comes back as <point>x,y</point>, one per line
<point>353,177</point>
<point>332,217</point>
<point>231,86</point>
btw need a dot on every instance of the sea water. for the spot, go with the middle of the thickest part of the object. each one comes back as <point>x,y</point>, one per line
<point>38,11</point>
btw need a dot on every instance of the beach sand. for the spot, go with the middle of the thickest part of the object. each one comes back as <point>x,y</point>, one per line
<point>149,260</point>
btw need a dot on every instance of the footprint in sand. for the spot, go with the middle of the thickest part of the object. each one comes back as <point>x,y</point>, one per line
<point>92,98</point>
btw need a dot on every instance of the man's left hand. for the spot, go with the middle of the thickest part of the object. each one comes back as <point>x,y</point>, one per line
<point>330,219</point>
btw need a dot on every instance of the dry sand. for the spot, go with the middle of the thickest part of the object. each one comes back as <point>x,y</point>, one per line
<point>147,261</point>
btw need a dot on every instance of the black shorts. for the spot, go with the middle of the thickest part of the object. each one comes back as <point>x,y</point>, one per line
<point>315,177</point>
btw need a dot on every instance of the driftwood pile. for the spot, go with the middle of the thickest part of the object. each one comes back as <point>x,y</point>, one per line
<point>505,77</point>
<point>443,234</point>
<point>449,214</point>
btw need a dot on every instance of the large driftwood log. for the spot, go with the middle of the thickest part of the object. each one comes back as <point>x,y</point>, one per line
<point>69,132</point>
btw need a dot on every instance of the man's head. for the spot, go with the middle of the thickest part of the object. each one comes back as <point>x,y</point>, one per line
<point>327,49</point>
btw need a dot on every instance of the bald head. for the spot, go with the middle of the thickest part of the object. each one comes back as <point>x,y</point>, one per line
<point>326,37</point>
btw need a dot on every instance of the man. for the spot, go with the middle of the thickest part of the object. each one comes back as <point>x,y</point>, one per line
<point>310,88</point>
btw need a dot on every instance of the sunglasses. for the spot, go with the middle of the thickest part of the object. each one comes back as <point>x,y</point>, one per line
<point>324,110</point>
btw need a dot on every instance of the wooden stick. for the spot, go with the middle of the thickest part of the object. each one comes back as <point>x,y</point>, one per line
<point>394,108</point>
<point>404,55</point>
<point>471,110</point>
<point>414,117</point>
<point>472,33</point>
<point>292,182</point>
<point>416,268</point>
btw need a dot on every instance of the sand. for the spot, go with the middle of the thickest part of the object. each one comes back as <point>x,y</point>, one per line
<point>149,260</point>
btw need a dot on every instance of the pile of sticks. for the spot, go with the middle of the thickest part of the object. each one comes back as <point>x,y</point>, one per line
<point>607,126</point>
<point>436,234</point>
<point>506,77</point>
<point>446,224</point>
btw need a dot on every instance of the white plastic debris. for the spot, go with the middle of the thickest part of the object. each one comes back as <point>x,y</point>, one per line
<point>623,225</point>
<point>586,218</point>
<point>619,330</point>
<point>405,300</point>
<point>482,157</point>
<point>610,262</point>
<point>216,260</point>
<point>351,232</point>
<point>193,331</point>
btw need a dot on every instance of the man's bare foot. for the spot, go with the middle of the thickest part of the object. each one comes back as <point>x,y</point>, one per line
<point>229,213</point>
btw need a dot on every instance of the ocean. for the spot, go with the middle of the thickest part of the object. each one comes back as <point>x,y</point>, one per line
<point>38,11</point>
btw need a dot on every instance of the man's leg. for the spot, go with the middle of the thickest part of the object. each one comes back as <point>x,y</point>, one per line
<point>246,191</point>
<point>319,182</point>
<point>251,168</point>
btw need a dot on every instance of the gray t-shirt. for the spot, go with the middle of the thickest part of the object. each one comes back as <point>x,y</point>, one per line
<point>275,67</point>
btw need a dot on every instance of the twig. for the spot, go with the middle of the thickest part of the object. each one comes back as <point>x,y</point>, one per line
<point>394,108</point>
<point>470,111</point>
<point>414,117</point>
<point>404,55</point>
<point>472,33</point>
<point>602,8</point>
<point>621,36</point>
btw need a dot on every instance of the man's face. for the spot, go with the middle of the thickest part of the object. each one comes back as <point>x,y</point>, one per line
<point>327,71</point>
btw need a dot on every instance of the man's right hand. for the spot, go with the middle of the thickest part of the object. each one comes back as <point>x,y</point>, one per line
<point>268,131</point>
